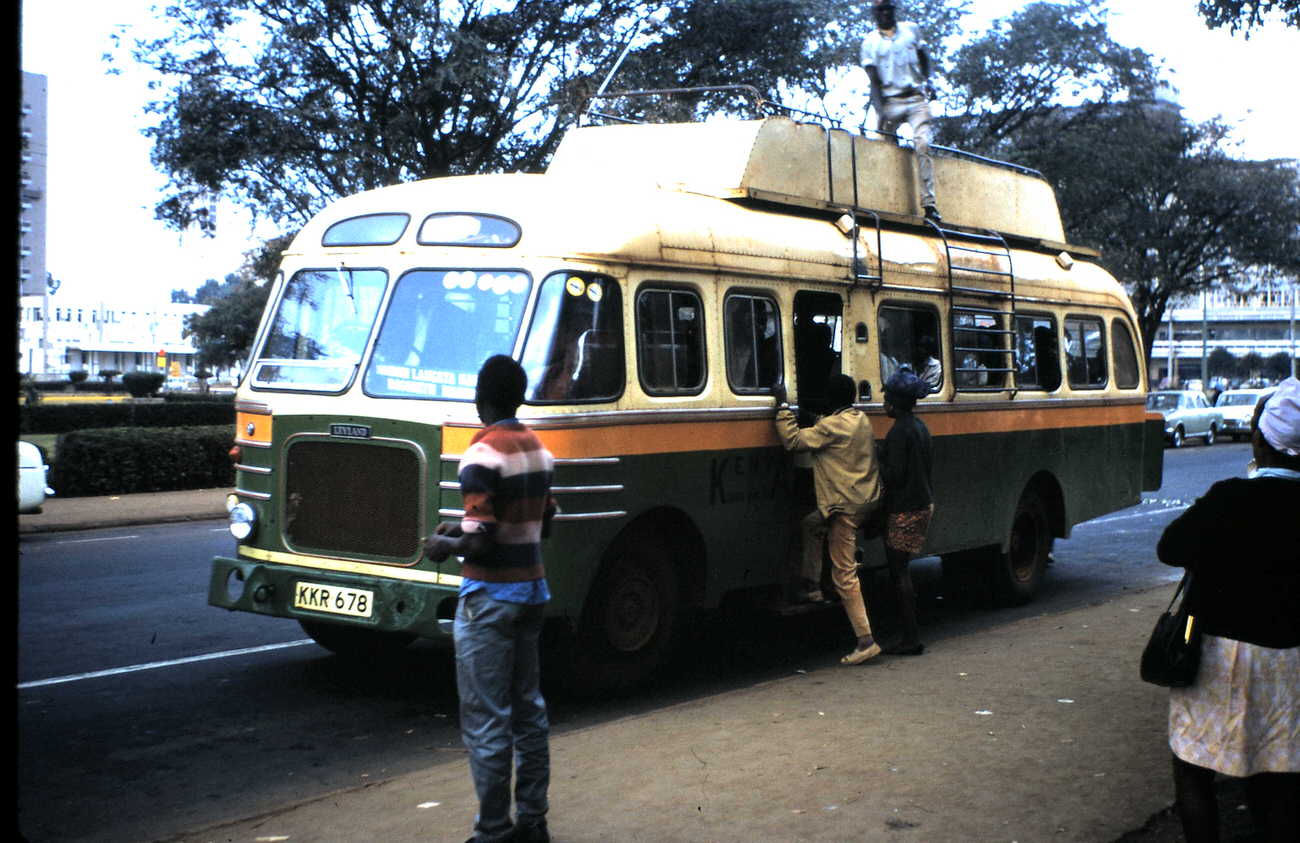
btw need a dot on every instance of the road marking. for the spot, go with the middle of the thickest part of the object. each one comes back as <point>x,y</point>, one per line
<point>1131,515</point>
<point>97,674</point>
<point>102,539</point>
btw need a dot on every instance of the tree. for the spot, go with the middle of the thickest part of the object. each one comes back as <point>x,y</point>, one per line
<point>1222,363</point>
<point>1047,61</point>
<point>283,105</point>
<point>1171,211</point>
<point>1247,14</point>
<point>225,333</point>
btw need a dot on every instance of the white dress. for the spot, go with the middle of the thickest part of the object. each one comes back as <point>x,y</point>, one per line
<point>1242,716</point>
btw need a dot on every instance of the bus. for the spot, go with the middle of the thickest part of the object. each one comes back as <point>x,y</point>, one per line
<point>655,283</point>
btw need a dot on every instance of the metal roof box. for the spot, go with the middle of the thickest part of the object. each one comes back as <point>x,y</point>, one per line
<point>779,160</point>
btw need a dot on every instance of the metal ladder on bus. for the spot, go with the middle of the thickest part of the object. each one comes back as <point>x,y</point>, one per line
<point>963,250</point>
<point>860,270</point>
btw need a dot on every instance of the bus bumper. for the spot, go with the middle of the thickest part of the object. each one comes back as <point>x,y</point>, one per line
<point>1153,452</point>
<point>263,588</point>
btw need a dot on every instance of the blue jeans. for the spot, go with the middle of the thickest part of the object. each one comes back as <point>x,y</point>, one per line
<point>502,713</point>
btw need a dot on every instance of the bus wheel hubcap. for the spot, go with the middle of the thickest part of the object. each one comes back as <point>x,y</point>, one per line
<point>632,613</point>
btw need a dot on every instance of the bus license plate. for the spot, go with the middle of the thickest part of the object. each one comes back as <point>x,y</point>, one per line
<point>334,599</point>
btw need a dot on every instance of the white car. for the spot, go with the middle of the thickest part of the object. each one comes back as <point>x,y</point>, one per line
<point>1238,407</point>
<point>32,469</point>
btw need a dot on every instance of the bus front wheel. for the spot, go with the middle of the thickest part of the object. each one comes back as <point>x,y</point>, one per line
<point>355,643</point>
<point>1019,571</point>
<point>629,619</point>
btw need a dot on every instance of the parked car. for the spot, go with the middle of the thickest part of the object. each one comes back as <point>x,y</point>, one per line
<point>1238,407</point>
<point>1186,413</point>
<point>32,469</point>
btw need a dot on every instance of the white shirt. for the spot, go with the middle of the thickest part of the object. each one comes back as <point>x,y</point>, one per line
<point>896,59</point>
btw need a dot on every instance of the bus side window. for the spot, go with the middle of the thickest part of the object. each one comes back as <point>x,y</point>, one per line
<point>1085,351</point>
<point>1038,360</point>
<point>574,349</point>
<point>908,338</point>
<point>753,343</point>
<point>1127,374</point>
<point>670,341</point>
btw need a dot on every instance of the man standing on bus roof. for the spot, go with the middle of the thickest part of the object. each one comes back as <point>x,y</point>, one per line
<point>847,482</point>
<point>505,482</point>
<point>899,70</point>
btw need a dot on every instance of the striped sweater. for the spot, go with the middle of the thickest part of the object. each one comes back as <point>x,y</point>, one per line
<point>505,481</point>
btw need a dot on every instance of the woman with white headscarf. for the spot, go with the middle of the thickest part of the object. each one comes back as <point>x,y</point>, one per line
<point>1241,717</point>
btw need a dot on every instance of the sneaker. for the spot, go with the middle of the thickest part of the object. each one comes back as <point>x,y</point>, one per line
<point>932,214</point>
<point>861,654</point>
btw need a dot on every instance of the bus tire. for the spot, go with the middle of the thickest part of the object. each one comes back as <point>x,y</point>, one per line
<point>354,643</point>
<point>1019,571</point>
<point>629,618</point>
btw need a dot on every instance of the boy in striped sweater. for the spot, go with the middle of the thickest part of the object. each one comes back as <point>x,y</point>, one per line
<point>505,480</point>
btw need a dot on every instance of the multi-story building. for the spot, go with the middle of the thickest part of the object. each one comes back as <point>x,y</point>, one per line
<point>1262,322</point>
<point>93,336</point>
<point>31,209</point>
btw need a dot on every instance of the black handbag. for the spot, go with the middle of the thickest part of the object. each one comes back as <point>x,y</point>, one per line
<point>1173,653</point>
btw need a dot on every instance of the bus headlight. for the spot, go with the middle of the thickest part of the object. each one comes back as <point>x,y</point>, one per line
<point>243,519</point>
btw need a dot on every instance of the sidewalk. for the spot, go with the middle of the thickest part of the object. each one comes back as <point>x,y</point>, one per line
<point>1036,730</point>
<point>125,510</point>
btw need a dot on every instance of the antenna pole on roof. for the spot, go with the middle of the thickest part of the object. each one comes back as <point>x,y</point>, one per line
<point>609,76</point>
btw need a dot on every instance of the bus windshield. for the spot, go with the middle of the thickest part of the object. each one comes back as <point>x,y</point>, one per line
<point>439,328</point>
<point>320,329</point>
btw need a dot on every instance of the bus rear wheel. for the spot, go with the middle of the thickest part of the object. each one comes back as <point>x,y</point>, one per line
<point>355,643</point>
<point>1019,571</point>
<point>629,619</point>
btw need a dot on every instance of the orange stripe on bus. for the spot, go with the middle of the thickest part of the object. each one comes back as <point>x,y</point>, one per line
<point>678,437</point>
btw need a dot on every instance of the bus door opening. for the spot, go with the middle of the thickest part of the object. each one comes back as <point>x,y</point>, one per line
<point>818,345</point>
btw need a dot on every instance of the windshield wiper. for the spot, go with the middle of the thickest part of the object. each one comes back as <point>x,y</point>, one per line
<point>346,281</point>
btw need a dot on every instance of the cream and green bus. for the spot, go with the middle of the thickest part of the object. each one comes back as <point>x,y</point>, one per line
<point>655,283</point>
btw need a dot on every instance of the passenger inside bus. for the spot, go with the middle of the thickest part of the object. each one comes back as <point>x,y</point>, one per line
<point>815,362</point>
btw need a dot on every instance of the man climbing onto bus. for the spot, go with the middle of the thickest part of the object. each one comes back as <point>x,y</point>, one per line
<point>505,482</point>
<point>847,483</point>
<point>899,70</point>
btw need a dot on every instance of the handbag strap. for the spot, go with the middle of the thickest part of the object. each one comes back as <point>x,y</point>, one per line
<point>1185,581</point>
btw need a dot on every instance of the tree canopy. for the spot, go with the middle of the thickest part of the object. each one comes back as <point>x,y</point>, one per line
<point>1247,14</point>
<point>284,105</point>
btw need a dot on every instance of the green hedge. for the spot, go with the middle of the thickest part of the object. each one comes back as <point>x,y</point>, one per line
<point>65,418</point>
<point>123,460</point>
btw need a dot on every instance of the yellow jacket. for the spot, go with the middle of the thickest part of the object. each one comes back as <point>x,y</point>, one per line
<point>843,449</point>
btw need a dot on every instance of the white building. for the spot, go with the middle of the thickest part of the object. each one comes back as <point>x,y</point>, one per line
<point>1262,322</point>
<point>58,334</point>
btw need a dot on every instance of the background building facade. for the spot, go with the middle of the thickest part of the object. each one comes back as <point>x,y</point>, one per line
<point>1258,329</point>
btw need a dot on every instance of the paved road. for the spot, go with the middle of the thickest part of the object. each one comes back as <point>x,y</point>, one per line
<point>217,719</point>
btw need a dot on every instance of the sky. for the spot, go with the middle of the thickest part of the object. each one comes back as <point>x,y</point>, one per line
<point>101,233</point>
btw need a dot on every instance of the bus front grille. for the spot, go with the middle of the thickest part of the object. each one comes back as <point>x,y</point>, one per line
<point>352,497</point>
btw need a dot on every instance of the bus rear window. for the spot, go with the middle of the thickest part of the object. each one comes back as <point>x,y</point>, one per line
<point>468,230</point>
<point>439,328</point>
<point>1126,362</point>
<point>368,230</point>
